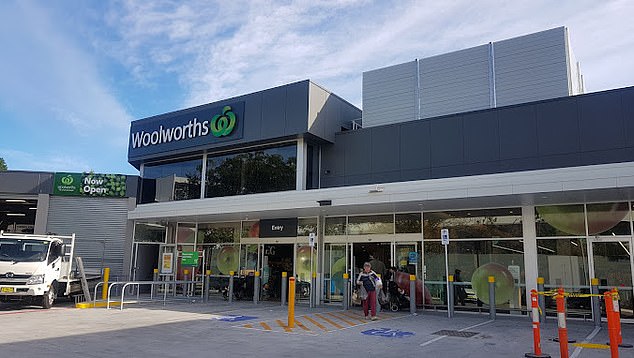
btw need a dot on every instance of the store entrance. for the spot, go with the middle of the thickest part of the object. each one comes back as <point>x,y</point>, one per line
<point>612,263</point>
<point>378,254</point>
<point>276,258</point>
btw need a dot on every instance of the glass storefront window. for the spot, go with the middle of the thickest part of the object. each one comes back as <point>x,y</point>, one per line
<point>171,181</point>
<point>608,219</point>
<point>305,226</point>
<point>370,224</point>
<point>408,223</point>
<point>222,258</point>
<point>466,224</point>
<point>186,234</point>
<point>250,229</point>
<point>563,262</point>
<point>335,225</point>
<point>149,232</point>
<point>218,233</point>
<point>560,220</point>
<point>260,171</point>
<point>473,262</point>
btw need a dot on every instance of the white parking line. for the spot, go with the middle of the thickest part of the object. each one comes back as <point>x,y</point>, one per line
<point>586,340</point>
<point>460,330</point>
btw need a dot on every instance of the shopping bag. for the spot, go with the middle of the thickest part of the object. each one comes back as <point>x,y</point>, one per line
<point>378,283</point>
<point>363,294</point>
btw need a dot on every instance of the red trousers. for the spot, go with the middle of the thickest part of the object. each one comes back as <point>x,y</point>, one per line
<point>372,301</point>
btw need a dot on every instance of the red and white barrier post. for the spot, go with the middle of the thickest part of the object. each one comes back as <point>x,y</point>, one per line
<point>612,330</point>
<point>537,344</point>
<point>561,323</point>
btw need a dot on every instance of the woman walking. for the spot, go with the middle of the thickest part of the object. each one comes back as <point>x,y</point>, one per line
<point>367,278</point>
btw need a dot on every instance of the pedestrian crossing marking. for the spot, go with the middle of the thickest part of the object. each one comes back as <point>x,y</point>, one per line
<point>301,325</point>
<point>353,317</point>
<point>266,326</point>
<point>248,326</point>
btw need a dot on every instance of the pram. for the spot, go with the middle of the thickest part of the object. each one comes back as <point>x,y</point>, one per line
<point>396,299</point>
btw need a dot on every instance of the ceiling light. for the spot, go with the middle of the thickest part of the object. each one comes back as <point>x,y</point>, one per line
<point>15,201</point>
<point>16,214</point>
<point>32,208</point>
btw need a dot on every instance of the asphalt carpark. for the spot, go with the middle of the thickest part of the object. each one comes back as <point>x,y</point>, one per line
<point>241,329</point>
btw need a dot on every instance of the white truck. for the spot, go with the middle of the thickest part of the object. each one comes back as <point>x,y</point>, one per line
<point>35,269</point>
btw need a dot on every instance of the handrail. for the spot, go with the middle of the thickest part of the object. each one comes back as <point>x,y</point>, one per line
<point>140,283</point>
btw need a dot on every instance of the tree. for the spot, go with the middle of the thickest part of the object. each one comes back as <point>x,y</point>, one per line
<point>3,165</point>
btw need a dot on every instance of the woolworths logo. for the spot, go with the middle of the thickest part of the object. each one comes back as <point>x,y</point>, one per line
<point>221,125</point>
<point>67,180</point>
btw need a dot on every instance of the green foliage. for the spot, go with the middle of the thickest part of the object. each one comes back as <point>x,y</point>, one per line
<point>3,165</point>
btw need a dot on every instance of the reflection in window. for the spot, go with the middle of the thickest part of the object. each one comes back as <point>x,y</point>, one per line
<point>335,225</point>
<point>370,224</point>
<point>250,228</point>
<point>171,181</point>
<point>489,223</point>
<point>408,223</point>
<point>186,234</point>
<point>570,220</point>
<point>608,219</point>
<point>305,226</point>
<point>218,233</point>
<point>149,232</point>
<point>261,171</point>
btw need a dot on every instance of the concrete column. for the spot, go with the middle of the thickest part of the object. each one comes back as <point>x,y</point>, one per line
<point>302,161</point>
<point>530,250</point>
<point>41,215</point>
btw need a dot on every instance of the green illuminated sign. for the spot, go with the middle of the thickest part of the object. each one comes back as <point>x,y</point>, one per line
<point>222,125</point>
<point>189,258</point>
<point>89,184</point>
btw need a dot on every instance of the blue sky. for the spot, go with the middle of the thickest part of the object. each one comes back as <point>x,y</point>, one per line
<point>73,74</point>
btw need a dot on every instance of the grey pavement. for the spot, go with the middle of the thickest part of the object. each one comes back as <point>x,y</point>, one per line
<point>216,330</point>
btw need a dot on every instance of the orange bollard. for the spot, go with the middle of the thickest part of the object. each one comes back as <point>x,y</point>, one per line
<point>617,319</point>
<point>612,334</point>
<point>537,344</point>
<point>561,323</point>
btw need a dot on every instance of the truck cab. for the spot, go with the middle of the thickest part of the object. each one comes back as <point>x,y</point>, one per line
<point>33,267</point>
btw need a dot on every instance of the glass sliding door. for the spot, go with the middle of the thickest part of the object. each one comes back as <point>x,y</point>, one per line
<point>612,263</point>
<point>335,265</point>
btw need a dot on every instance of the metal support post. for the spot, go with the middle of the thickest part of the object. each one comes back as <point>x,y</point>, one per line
<point>291,302</point>
<point>155,278</point>
<point>206,286</point>
<point>412,294</point>
<point>313,290</point>
<point>186,288</point>
<point>346,289</point>
<point>492,298</point>
<point>231,273</point>
<point>256,287</point>
<point>376,296</point>
<point>284,287</point>
<point>541,300</point>
<point>596,304</point>
<point>104,288</point>
<point>450,296</point>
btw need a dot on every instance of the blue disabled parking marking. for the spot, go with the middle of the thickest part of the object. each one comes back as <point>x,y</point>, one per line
<point>236,318</point>
<point>387,332</point>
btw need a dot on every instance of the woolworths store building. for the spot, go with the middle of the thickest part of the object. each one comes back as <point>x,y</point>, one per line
<point>531,177</point>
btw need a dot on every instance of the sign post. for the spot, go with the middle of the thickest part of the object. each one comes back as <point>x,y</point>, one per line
<point>312,297</point>
<point>444,238</point>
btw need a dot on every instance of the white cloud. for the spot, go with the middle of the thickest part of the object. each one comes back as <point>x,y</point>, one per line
<point>57,161</point>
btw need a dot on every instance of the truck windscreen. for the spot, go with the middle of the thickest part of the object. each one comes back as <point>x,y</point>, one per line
<point>18,250</point>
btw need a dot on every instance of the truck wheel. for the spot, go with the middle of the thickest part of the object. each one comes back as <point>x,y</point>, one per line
<point>49,297</point>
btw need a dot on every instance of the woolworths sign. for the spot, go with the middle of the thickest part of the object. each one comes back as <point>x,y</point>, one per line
<point>201,126</point>
<point>89,184</point>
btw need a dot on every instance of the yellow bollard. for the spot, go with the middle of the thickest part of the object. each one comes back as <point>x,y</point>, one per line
<point>291,302</point>
<point>104,288</point>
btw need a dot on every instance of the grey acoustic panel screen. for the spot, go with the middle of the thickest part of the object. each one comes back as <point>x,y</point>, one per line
<point>531,68</point>
<point>389,95</point>
<point>455,82</point>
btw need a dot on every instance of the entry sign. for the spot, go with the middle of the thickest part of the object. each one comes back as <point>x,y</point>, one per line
<point>189,258</point>
<point>311,239</point>
<point>444,236</point>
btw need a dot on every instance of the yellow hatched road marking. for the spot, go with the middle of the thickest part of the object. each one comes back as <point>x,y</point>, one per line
<point>329,321</point>
<point>591,345</point>
<point>342,319</point>
<point>248,326</point>
<point>316,323</point>
<point>350,315</point>
<point>266,326</point>
<point>286,328</point>
<point>301,325</point>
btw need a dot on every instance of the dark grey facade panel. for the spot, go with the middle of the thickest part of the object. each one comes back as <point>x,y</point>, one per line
<point>570,131</point>
<point>447,142</point>
<point>18,182</point>
<point>414,144</point>
<point>518,132</point>
<point>558,127</point>
<point>273,121</point>
<point>482,139</point>
<point>296,107</point>
<point>601,123</point>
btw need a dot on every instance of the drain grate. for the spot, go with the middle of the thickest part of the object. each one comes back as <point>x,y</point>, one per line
<point>448,332</point>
